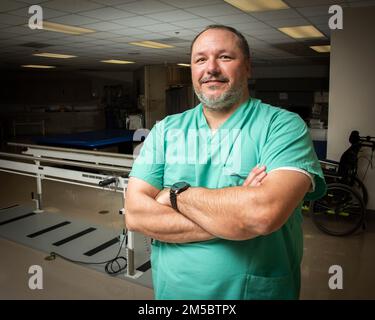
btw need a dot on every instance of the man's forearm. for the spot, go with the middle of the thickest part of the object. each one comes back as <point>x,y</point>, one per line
<point>240,213</point>
<point>162,222</point>
<point>222,211</point>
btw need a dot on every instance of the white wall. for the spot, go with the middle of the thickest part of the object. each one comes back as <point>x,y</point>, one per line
<point>352,85</point>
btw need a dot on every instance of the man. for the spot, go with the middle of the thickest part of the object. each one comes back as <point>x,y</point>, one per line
<point>218,234</point>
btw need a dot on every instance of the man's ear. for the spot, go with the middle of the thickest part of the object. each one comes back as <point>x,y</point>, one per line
<point>248,67</point>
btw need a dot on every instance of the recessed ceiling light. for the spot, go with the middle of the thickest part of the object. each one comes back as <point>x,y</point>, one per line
<point>183,64</point>
<point>321,49</point>
<point>258,5</point>
<point>151,44</point>
<point>57,27</point>
<point>302,32</point>
<point>54,55</point>
<point>37,66</point>
<point>117,61</point>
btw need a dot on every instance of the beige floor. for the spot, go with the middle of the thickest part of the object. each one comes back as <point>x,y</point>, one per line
<point>64,280</point>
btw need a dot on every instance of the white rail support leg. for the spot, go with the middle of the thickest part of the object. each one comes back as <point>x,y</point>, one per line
<point>38,200</point>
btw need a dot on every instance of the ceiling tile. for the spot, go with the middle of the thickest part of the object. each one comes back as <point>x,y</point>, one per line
<point>72,6</point>
<point>126,31</point>
<point>276,15</point>
<point>307,3</point>
<point>289,22</point>
<point>12,19</point>
<point>214,10</point>
<point>136,21</point>
<point>112,2</point>
<point>248,27</point>
<point>171,16</point>
<point>180,33</point>
<point>20,30</point>
<point>74,19</point>
<point>47,13</point>
<point>32,1</point>
<point>313,11</point>
<point>159,27</point>
<point>107,13</point>
<point>193,23</point>
<point>103,26</point>
<point>234,19</point>
<point>149,36</point>
<point>125,40</point>
<point>145,7</point>
<point>8,5</point>
<point>320,19</point>
<point>183,4</point>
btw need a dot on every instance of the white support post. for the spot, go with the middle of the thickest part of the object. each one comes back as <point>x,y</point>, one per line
<point>38,200</point>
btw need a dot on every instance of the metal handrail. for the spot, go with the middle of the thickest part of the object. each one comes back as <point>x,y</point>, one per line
<point>66,162</point>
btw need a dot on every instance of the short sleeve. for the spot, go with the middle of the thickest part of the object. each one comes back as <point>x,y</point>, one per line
<point>149,165</point>
<point>289,144</point>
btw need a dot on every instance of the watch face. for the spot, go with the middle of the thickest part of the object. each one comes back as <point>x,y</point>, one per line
<point>180,185</point>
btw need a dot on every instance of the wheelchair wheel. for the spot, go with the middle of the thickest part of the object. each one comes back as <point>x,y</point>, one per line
<point>361,189</point>
<point>340,212</point>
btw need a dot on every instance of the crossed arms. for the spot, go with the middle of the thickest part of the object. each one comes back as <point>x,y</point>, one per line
<point>259,207</point>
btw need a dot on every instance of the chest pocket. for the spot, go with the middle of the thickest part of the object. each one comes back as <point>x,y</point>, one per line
<point>241,160</point>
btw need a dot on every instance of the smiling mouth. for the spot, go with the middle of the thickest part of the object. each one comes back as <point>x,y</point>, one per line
<point>214,82</point>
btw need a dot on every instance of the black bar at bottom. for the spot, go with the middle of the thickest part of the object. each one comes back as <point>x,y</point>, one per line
<point>103,246</point>
<point>56,226</point>
<point>74,236</point>
<point>17,218</point>
<point>144,267</point>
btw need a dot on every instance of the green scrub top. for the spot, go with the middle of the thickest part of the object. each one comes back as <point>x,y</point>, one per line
<point>182,148</point>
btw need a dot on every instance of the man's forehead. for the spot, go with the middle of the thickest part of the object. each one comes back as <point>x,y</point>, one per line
<point>212,35</point>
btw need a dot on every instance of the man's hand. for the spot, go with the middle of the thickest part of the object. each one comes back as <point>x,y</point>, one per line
<point>254,179</point>
<point>163,197</point>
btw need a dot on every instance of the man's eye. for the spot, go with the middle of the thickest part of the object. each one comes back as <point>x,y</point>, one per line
<point>199,60</point>
<point>224,57</point>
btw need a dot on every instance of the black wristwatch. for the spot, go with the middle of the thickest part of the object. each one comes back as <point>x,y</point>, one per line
<point>176,189</point>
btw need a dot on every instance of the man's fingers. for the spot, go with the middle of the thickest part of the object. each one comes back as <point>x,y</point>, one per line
<point>258,173</point>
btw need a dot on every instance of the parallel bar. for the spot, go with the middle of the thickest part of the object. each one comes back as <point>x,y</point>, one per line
<point>74,236</point>
<point>54,227</point>
<point>144,267</point>
<point>103,246</point>
<point>17,218</point>
<point>66,162</point>
<point>13,206</point>
<point>101,153</point>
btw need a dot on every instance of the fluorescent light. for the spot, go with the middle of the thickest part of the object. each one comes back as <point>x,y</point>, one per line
<point>151,44</point>
<point>302,32</point>
<point>57,27</point>
<point>321,49</point>
<point>54,55</point>
<point>117,61</point>
<point>37,66</point>
<point>258,5</point>
<point>183,64</point>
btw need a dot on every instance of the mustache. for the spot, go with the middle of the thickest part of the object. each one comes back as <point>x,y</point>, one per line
<point>207,79</point>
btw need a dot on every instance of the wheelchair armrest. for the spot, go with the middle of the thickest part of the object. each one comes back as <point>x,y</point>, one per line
<point>329,162</point>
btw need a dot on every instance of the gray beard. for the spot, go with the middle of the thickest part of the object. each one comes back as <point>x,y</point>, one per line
<point>224,102</point>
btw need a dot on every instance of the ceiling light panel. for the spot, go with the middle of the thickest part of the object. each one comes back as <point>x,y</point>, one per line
<point>258,5</point>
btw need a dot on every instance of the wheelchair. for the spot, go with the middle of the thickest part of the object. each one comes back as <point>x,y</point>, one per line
<point>342,210</point>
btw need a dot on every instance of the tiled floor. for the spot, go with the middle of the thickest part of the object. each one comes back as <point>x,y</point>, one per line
<point>64,280</point>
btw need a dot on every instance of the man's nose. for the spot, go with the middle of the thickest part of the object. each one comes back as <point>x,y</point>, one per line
<point>213,67</point>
